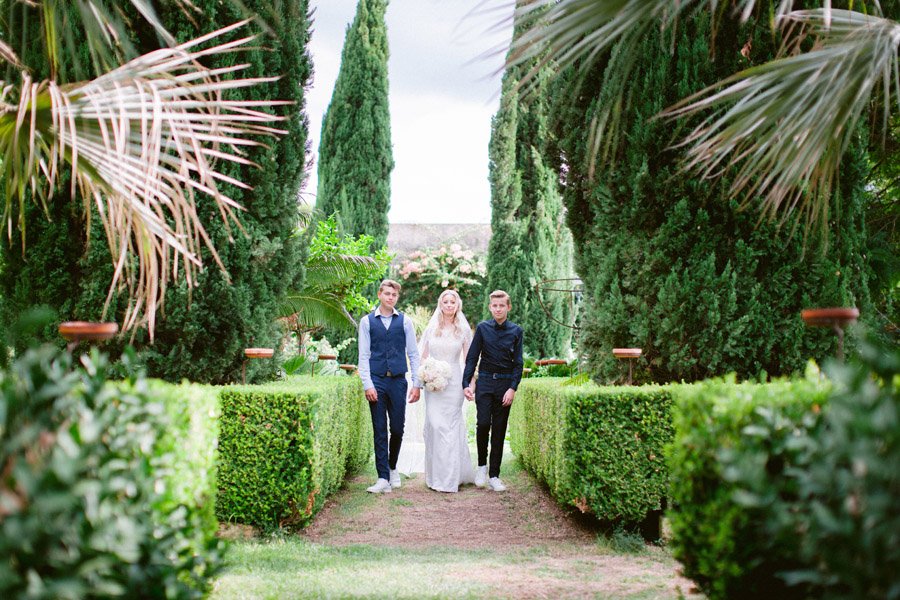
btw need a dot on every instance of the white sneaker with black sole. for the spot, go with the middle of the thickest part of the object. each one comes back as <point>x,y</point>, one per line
<point>481,476</point>
<point>382,486</point>
<point>395,479</point>
<point>496,485</point>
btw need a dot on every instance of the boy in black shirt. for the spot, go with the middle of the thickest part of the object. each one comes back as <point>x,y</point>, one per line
<point>498,343</point>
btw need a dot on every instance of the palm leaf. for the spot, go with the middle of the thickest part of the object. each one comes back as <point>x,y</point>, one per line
<point>332,269</point>
<point>141,142</point>
<point>786,124</point>
<point>316,308</point>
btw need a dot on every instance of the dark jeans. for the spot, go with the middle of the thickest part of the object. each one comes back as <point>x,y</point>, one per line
<point>492,420</point>
<point>391,405</point>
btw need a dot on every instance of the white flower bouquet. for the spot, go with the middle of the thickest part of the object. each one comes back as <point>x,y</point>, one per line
<point>435,374</point>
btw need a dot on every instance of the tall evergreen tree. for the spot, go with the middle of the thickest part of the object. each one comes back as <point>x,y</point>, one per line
<point>203,328</point>
<point>355,155</point>
<point>530,242</point>
<point>669,262</point>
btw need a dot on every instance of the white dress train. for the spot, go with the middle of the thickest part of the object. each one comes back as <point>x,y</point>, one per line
<point>448,462</point>
<point>412,451</point>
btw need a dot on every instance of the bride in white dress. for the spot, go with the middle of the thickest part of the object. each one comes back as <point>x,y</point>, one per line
<point>447,460</point>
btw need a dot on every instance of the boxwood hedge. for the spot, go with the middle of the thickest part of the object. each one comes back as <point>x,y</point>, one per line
<point>286,446</point>
<point>735,448</point>
<point>600,449</point>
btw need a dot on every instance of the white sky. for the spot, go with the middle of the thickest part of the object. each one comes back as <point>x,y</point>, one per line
<point>444,88</point>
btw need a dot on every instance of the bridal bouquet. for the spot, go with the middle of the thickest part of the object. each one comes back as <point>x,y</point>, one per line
<point>435,374</point>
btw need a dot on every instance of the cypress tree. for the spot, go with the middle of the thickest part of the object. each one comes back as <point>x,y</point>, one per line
<point>530,242</point>
<point>202,330</point>
<point>355,156</point>
<point>670,263</point>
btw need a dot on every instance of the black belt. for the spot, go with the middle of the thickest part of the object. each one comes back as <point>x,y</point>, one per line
<point>389,374</point>
<point>495,375</point>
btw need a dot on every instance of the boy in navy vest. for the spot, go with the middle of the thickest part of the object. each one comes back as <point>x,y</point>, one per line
<point>386,340</point>
<point>497,349</point>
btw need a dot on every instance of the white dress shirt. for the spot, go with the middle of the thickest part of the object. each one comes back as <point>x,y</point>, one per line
<point>365,348</point>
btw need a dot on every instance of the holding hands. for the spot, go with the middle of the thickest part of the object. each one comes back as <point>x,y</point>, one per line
<point>469,392</point>
<point>414,394</point>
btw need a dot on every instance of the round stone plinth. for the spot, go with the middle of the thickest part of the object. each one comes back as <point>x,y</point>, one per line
<point>77,331</point>
<point>828,317</point>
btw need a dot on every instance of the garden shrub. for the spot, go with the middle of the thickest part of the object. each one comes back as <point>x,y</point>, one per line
<point>734,447</point>
<point>286,446</point>
<point>94,495</point>
<point>426,273</point>
<point>599,449</point>
<point>847,517</point>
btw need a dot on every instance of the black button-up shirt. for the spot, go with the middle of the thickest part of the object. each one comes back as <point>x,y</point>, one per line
<point>500,348</point>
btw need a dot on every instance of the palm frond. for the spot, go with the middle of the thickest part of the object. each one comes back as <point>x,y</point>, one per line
<point>332,268</point>
<point>785,124</point>
<point>141,142</point>
<point>313,308</point>
<point>566,32</point>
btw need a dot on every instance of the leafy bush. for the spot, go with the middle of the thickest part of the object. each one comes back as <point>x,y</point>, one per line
<point>286,446</point>
<point>599,449</point>
<point>734,448</point>
<point>425,274</point>
<point>847,517</point>
<point>95,500</point>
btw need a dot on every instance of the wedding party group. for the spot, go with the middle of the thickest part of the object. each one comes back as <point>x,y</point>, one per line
<point>442,369</point>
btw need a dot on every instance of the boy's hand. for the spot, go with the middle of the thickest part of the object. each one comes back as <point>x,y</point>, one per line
<point>414,395</point>
<point>508,397</point>
<point>469,393</point>
<point>371,395</point>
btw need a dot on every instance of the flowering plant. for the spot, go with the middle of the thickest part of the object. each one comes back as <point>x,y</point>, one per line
<point>435,374</point>
<point>425,274</point>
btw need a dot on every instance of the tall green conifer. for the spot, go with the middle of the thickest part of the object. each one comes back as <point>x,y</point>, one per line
<point>672,265</point>
<point>355,155</point>
<point>203,329</point>
<point>530,242</point>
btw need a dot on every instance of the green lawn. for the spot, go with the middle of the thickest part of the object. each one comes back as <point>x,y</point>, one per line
<point>295,568</point>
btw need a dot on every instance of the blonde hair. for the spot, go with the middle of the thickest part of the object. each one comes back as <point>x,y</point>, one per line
<point>389,283</point>
<point>440,321</point>
<point>501,295</point>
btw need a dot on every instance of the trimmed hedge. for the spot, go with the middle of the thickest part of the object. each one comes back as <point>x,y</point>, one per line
<point>103,494</point>
<point>189,451</point>
<point>734,449</point>
<point>286,446</point>
<point>600,449</point>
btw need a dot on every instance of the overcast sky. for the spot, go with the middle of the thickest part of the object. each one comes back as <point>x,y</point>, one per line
<point>444,88</point>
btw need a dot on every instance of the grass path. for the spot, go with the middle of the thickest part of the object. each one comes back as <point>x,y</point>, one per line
<point>416,543</point>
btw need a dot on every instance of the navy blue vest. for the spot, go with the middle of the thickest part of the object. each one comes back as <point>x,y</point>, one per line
<point>388,346</point>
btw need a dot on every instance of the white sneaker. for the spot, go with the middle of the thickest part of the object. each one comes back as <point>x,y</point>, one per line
<point>382,486</point>
<point>481,476</point>
<point>496,485</point>
<point>395,478</point>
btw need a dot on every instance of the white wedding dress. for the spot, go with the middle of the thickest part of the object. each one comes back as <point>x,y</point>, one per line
<point>447,460</point>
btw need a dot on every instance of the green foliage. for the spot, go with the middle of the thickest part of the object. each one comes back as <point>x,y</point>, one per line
<point>339,268</point>
<point>105,485</point>
<point>285,447</point>
<point>427,273</point>
<point>730,463</point>
<point>669,263</point>
<point>530,242</point>
<point>599,449</point>
<point>846,515</point>
<point>203,328</point>
<point>355,154</point>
